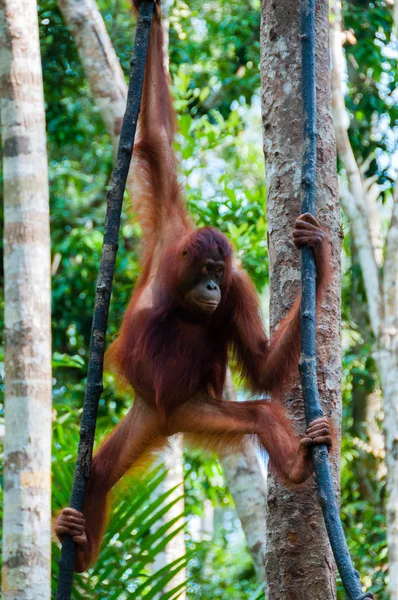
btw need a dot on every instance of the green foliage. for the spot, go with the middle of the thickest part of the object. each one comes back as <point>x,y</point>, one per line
<point>363,482</point>
<point>372,82</point>
<point>218,45</point>
<point>221,567</point>
<point>362,468</point>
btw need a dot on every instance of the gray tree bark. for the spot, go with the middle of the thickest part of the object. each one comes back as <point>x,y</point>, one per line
<point>100,63</point>
<point>388,368</point>
<point>27,444</point>
<point>299,561</point>
<point>173,459</point>
<point>247,482</point>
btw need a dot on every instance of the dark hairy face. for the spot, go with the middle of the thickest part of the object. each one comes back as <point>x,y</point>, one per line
<point>205,294</point>
<point>204,266</point>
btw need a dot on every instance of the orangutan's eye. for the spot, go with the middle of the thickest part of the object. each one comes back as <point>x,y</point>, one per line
<point>219,271</point>
<point>204,270</point>
<point>184,253</point>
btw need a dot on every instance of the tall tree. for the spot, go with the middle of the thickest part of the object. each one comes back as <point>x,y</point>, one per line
<point>299,561</point>
<point>359,196</point>
<point>247,483</point>
<point>27,446</point>
<point>109,90</point>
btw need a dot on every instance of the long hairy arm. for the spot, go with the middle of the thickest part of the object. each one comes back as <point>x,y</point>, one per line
<point>157,199</point>
<point>269,365</point>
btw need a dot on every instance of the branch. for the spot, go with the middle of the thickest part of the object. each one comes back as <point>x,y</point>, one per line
<point>371,195</point>
<point>307,366</point>
<point>340,116</point>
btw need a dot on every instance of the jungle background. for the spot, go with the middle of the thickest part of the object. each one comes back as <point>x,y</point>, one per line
<point>214,56</point>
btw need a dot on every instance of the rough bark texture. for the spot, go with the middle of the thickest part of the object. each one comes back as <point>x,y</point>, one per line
<point>299,561</point>
<point>27,445</point>
<point>358,198</point>
<point>246,479</point>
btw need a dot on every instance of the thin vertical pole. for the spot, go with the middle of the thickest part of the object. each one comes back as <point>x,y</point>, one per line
<point>313,410</point>
<point>104,289</point>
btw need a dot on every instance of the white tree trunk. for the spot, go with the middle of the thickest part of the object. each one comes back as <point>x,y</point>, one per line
<point>173,462</point>
<point>27,446</point>
<point>359,203</point>
<point>388,367</point>
<point>299,561</point>
<point>100,63</point>
<point>246,477</point>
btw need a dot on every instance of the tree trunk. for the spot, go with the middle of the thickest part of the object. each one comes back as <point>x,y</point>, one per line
<point>173,462</point>
<point>388,368</point>
<point>246,479</point>
<point>299,561</point>
<point>27,445</point>
<point>100,63</point>
<point>248,486</point>
<point>353,200</point>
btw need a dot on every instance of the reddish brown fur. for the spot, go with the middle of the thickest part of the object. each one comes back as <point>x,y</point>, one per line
<point>177,362</point>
